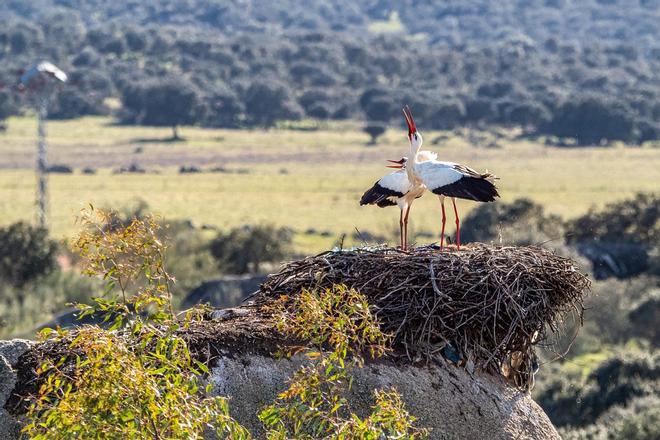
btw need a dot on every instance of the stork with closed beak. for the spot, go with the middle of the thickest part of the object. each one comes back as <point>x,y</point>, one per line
<point>447,179</point>
<point>396,188</point>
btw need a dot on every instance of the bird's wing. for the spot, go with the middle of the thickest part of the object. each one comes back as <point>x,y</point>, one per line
<point>436,174</point>
<point>454,180</point>
<point>387,190</point>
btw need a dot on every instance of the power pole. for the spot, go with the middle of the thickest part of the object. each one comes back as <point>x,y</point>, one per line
<point>42,173</point>
<point>40,81</point>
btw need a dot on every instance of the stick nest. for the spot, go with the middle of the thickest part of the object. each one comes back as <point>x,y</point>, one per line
<point>489,305</point>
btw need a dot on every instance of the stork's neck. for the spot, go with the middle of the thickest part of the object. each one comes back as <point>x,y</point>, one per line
<point>411,169</point>
<point>414,149</point>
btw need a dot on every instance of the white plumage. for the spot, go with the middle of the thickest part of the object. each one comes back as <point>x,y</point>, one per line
<point>397,182</point>
<point>436,174</point>
<point>395,189</point>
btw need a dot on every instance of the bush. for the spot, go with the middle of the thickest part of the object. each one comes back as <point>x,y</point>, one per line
<point>26,253</point>
<point>634,220</point>
<point>22,309</point>
<point>622,238</point>
<point>616,382</point>
<point>591,120</point>
<point>521,222</point>
<point>244,249</point>
<point>139,379</point>
<point>339,327</point>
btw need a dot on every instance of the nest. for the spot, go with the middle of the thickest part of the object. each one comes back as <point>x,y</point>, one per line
<point>486,306</point>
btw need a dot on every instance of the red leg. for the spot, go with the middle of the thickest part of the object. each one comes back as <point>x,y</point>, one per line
<point>405,228</point>
<point>458,226</point>
<point>444,219</point>
<point>401,229</point>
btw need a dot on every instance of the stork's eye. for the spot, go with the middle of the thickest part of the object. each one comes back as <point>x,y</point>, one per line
<point>415,136</point>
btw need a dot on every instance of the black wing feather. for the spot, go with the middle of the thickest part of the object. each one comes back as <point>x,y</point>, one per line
<point>380,196</point>
<point>470,188</point>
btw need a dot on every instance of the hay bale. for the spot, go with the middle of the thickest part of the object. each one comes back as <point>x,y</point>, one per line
<point>492,304</point>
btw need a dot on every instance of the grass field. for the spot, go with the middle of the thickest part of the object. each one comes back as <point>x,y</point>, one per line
<point>300,178</point>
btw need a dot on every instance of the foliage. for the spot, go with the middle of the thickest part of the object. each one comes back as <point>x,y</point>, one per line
<point>26,253</point>
<point>244,249</point>
<point>314,405</point>
<point>139,381</point>
<point>24,308</point>
<point>6,105</point>
<point>616,382</point>
<point>521,222</point>
<point>635,220</point>
<point>620,239</point>
<point>592,120</point>
<point>594,83</point>
<point>269,101</point>
<point>169,102</point>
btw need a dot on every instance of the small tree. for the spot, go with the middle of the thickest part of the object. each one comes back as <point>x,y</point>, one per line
<point>139,380</point>
<point>375,131</point>
<point>339,328</point>
<point>26,253</point>
<point>243,249</point>
<point>269,101</point>
<point>163,103</point>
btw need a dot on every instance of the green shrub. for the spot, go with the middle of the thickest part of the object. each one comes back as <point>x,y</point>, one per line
<point>26,253</point>
<point>616,382</point>
<point>139,381</point>
<point>22,309</point>
<point>521,222</point>
<point>634,220</point>
<point>244,249</point>
<point>339,327</point>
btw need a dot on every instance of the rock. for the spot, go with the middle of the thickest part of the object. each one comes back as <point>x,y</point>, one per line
<point>13,349</point>
<point>228,291</point>
<point>10,352</point>
<point>447,399</point>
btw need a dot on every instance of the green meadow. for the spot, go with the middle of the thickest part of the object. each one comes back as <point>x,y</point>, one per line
<point>308,177</point>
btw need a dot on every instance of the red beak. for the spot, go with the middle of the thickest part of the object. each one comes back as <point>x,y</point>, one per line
<point>399,163</point>
<point>412,128</point>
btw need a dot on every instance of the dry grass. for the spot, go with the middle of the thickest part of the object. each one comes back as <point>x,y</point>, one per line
<point>493,304</point>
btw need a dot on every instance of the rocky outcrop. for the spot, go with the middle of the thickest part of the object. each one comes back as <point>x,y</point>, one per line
<point>447,399</point>
<point>453,402</point>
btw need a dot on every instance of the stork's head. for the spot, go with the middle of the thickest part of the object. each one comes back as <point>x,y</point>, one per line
<point>413,135</point>
<point>399,164</point>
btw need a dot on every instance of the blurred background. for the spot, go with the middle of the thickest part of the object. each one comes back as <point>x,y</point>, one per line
<point>251,128</point>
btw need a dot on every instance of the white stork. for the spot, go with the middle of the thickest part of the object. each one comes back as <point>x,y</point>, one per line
<point>396,188</point>
<point>447,179</point>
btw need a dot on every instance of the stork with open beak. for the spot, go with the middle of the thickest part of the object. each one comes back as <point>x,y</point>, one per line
<point>446,179</point>
<point>395,189</point>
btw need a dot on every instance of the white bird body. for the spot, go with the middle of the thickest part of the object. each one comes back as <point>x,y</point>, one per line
<point>397,188</point>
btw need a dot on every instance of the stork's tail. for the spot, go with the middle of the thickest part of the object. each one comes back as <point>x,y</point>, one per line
<point>489,177</point>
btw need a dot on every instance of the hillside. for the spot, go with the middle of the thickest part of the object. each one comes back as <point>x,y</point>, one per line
<point>634,22</point>
<point>583,70</point>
